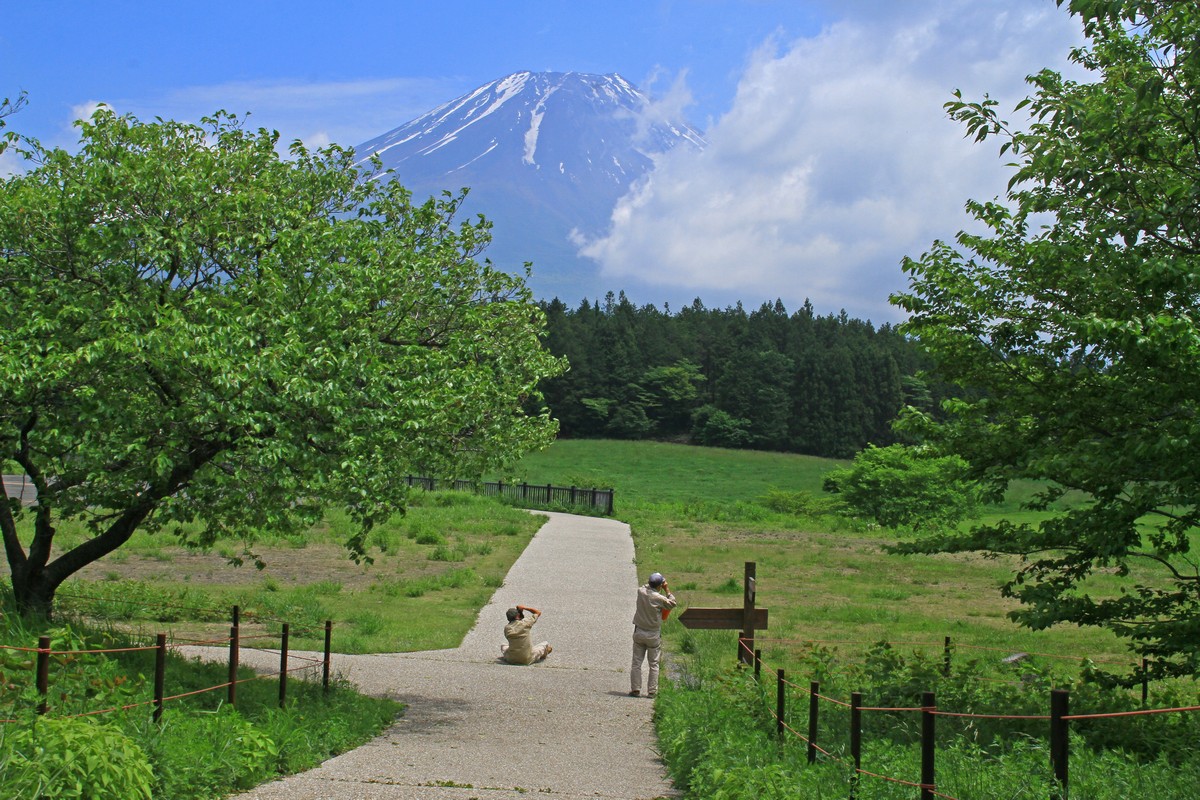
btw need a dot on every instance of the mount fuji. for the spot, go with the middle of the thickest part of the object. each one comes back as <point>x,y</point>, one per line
<point>546,156</point>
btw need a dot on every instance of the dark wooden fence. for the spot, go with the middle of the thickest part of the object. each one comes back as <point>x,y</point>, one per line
<point>43,654</point>
<point>541,495</point>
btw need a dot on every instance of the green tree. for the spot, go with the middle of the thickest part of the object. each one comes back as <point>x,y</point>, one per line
<point>197,329</point>
<point>905,487</point>
<point>1074,319</point>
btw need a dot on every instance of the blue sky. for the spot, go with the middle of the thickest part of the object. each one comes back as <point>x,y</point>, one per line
<point>831,157</point>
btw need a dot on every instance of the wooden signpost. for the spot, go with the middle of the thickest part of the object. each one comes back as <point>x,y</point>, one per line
<point>747,618</point>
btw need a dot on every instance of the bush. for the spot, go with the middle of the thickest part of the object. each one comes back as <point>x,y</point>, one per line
<point>905,487</point>
<point>210,753</point>
<point>71,758</point>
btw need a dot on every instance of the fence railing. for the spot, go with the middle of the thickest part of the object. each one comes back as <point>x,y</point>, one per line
<point>1058,719</point>
<point>535,494</point>
<point>44,653</point>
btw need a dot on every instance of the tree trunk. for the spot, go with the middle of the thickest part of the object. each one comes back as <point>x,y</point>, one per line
<point>34,593</point>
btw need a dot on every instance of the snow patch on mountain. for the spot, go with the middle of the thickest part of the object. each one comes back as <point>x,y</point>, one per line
<point>603,135</point>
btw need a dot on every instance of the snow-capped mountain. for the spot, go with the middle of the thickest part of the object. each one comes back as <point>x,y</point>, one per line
<point>544,154</point>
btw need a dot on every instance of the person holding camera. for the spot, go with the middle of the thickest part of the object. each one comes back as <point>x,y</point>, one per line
<point>520,648</point>
<point>654,602</point>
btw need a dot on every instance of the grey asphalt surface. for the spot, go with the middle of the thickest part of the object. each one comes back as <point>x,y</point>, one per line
<point>476,727</point>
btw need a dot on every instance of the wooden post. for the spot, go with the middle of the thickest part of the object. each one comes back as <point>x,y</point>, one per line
<point>160,673</point>
<point>748,592</point>
<point>283,666</point>
<point>946,658</point>
<point>43,673</point>
<point>231,697</point>
<point>237,617</point>
<point>780,702</point>
<point>855,740</point>
<point>1059,707</point>
<point>928,731</point>
<point>814,688</point>
<point>325,664</point>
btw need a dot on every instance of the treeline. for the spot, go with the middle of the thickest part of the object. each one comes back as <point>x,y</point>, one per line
<point>769,380</point>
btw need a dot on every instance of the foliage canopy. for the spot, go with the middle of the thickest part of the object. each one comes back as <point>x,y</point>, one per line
<point>197,328</point>
<point>905,487</point>
<point>1075,315</point>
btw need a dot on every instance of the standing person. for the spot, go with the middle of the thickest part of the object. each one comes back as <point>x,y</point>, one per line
<point>653,600</point>
<point>520,648</point>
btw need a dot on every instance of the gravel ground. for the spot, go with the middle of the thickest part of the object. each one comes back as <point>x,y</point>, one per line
<point>476,727</point>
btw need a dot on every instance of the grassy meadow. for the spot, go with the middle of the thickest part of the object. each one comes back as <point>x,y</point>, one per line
<point>697,515</point>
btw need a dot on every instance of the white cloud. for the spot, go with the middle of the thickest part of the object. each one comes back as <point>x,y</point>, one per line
<point>85,110</point>
<point>836,159</point>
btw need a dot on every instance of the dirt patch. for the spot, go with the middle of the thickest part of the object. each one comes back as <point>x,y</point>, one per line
<point>287,566</point>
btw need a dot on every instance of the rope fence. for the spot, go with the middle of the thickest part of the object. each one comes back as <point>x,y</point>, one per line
<point>287,665</point>
<point>1058,718</point>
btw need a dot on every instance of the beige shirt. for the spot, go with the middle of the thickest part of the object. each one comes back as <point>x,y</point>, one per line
<point>648,615</point>
<point>520,645</point>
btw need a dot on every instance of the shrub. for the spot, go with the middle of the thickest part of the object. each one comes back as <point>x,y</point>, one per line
<point>905,487</point>
<point>72,758</point>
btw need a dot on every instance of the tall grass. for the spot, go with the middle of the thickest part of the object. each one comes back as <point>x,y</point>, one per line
<point>203,748</point>
<point>717,733</point>
<point>834,594</point>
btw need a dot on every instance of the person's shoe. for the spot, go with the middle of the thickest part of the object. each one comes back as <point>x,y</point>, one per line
<point>634,692</point>
<point>651,695</point>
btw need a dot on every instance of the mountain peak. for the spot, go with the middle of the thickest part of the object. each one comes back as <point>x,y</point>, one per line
<point>545,154</point>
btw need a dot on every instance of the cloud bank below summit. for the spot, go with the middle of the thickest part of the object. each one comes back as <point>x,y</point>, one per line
<point>835,160</point>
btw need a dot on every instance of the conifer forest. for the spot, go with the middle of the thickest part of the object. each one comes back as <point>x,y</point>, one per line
<point>766,379</point>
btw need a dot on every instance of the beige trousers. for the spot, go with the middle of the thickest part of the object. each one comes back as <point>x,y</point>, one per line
<point>647,646</point>
<point>539,652</point>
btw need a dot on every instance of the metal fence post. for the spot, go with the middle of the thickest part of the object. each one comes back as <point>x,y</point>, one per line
<point>43,673</point>
<point>780,702</point>
<point>325,664</point>
<point>160,673</point>
<point>855,739</point>
<point>233,666</point>
<point>928,733</point>
<point>814,688</point>
<point>283,666</point>
<point>757,663</point>
<point>946,658</point>
<point>1059,707</point>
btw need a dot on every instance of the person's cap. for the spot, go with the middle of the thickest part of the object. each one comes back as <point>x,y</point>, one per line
<point>657,579</point>
<point>513,615</point>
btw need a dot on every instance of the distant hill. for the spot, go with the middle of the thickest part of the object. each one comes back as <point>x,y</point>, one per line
<point>545,154</point>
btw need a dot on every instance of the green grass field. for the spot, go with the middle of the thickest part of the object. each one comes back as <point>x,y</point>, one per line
<point>697,515</point>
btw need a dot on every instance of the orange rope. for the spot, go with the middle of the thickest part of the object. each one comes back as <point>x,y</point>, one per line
<point>991,716</point>
<point>877,708</point>
<point>197,691</point>
<point>92,652</point>
<point>1131,713</point>
<point>107,710</point>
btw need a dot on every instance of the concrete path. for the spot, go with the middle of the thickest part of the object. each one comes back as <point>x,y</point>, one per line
<point>476,727</point>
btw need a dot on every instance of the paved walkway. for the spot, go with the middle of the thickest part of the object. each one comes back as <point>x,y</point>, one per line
<point>476,727</point>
